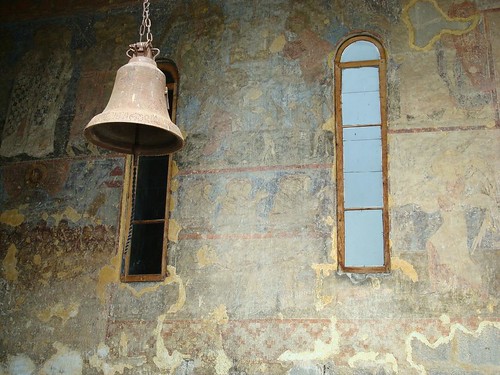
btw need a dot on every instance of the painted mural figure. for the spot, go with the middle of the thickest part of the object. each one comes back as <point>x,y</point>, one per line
<point>239,206</point>
<point>451,259</point>
<point>38,96</point>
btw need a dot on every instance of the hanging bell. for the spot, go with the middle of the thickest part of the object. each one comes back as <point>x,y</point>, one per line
<point>136,119</point>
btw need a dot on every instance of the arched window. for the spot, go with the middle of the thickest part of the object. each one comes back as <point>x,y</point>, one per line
<point>361,161</point>
<point>146,207</point>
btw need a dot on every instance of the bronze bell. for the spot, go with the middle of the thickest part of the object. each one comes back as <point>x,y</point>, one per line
<point>136,119</point>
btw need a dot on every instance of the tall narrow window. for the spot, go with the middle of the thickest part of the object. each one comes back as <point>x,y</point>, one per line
<point>361,162</point>
<point>147,209</point>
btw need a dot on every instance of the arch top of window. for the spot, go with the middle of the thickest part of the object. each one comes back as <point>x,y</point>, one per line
<point>360,48</point>
<point>169,68</point>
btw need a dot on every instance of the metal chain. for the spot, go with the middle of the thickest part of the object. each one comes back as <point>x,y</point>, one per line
<point>146,23</point>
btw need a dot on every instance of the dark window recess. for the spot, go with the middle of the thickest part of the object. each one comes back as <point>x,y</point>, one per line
<point>145,249</point>
<point>151,189</point>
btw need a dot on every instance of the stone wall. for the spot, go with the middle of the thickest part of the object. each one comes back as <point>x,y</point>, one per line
<point>253,286</point>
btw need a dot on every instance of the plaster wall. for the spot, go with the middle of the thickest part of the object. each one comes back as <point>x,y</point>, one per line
<point>253,286</point>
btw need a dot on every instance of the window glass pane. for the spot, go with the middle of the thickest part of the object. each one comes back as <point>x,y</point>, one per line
<point>363,189</point>
<point>146,250</point>
<point>151,190</point>
<point>361,133</point>
<point>363,156</point>
<point>364,242</point>
<point>361,108</point>
<point>360,51</point>
<point>362,79</point>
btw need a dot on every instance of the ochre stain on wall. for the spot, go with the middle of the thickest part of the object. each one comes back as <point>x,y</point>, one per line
<point>277,44</point>
<point>109,274</point>
<point>405,267</point>
<point>181,300</point>
<point>174,186</point>
<point>163,359</point>
<point>173,230</point>
<point>37,259</point>
<point>59,310</point>
<point>329,125</point>
<point>12,217</point>
<point>172,278</point>
<point>206,256</point>
<point>219,315</point>
<point>69,213</point>
<point>97,203</point>
<point>9,264</point>
<point>175,169</point>
<point>123,350</point>
<point>323,270</point>
<point>413,29</point>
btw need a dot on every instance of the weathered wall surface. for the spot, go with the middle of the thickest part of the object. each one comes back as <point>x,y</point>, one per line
<point>253,286</point>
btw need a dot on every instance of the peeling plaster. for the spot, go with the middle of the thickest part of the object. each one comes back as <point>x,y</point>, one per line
<point>163,360</point>
<point>322,351</point>
<point>123,350</point>
<point>173,230</point>
<point>37,260</point>
<point>219,315</point>
<point>12,217</point>
<point>206,256</point>
<point>323,270</point>
<point>59,311</point>
<point>175,169</point>
<point>368,359</point>
<point>65,361</point>
<point>222,363</point>
<point>9,264</point>
<point>174,185</point>
<point>253,94</point>
<point>109,274</point>
<point>98,361</point>
<point>405,267</point>
<point>442,340</point>
<point>329,125</point>
<point>69,213</point>
<point>172,278</point>
<point>445,319</point>
<point>20,364</point>
<point>278,44</point>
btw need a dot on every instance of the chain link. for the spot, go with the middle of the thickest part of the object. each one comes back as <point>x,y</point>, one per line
<point>146,23</point>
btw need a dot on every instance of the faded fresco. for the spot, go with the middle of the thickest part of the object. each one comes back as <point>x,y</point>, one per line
<point>38,95</point>
<point>253,285</point>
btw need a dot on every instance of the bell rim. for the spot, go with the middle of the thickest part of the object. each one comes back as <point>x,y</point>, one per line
<point>167,147</point>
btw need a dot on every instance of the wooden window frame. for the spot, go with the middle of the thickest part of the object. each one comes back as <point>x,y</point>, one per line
<point>338,67</point>
<point>169,68</point>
